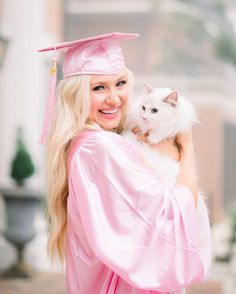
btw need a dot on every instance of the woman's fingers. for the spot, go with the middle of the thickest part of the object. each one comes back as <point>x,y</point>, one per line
<point>143,137</point>
<point>136,130</point>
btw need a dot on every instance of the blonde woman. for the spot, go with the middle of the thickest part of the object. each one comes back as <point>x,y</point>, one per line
<point>118,227</point>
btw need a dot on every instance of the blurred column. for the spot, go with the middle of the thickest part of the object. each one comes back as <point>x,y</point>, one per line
<point>209,141</point>
<point>24,80</point>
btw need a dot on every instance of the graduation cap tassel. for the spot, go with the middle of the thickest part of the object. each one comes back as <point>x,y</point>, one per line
<point>50,102</point>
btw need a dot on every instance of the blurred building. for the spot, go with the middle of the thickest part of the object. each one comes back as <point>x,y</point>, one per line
<point>166,55</point>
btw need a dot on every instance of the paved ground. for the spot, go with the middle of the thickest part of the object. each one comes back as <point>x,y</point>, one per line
<point>46,283</point>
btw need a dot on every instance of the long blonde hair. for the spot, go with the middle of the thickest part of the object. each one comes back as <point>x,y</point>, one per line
<point>70,118</point>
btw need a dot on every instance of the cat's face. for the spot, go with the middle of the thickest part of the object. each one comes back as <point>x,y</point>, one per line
<point>158,105</point>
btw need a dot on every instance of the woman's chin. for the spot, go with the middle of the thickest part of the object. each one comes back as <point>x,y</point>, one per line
<point>109,124</point>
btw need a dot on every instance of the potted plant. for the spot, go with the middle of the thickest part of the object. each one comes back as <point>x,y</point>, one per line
<point>233,239</point>
<point>21,204</point>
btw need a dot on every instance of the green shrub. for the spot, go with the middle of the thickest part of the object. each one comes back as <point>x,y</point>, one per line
<point>22,166</point>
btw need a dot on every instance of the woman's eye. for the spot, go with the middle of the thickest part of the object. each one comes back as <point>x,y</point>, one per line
<point>154,110</point>
<point>121,83</point>
<point>143,108</point>
<point>98,88</point>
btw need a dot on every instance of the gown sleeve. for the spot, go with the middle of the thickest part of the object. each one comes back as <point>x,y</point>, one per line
<point>140,228</point>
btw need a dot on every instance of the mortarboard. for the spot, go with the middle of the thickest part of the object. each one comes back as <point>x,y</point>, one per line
<point>100,54</point>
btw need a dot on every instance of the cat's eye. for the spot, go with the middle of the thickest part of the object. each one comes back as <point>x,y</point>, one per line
<point>154,110</point>
<point>143,108</point>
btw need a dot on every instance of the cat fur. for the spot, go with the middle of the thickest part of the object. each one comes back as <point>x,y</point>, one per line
<point>175,114</point>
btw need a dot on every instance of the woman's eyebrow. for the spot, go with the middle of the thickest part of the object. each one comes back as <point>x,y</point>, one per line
<point>98,82</point>
<point>122,77</point>
<point>103,83</point>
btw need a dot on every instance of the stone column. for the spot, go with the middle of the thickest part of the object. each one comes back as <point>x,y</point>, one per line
<point>24,80</point>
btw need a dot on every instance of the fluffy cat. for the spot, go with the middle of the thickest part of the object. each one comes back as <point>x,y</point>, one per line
<point>161,114</point>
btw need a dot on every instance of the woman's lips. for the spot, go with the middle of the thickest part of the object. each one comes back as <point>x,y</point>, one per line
<point>109,113</point>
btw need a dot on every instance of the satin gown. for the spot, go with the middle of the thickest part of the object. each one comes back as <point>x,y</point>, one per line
<point>129,232</point>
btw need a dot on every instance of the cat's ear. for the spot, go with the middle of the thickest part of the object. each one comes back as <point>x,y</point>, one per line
<point>172,99</point>
<point>148,88</point>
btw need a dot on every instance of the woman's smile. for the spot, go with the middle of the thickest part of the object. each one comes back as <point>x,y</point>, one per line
<point>109,113</point>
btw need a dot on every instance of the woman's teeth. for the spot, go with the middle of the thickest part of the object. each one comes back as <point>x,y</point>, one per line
<point>110,111</point>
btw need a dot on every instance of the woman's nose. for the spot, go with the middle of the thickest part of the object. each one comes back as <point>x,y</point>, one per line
<point>113,97</point>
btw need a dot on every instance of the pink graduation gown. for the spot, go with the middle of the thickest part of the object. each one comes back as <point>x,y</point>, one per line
<point>128,232</point>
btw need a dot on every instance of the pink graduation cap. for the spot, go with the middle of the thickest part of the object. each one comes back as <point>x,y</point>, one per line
<point>95,55</point>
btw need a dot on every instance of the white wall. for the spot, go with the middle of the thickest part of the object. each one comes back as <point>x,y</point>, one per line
<point>23,82</point>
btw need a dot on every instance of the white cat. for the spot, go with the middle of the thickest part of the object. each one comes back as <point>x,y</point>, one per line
<point>161,113</point>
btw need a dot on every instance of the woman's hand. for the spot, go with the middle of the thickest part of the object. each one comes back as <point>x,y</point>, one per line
<point>180,149</point>
<point>140,136</point>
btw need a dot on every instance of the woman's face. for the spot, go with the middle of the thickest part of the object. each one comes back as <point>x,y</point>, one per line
<point>109,98</point>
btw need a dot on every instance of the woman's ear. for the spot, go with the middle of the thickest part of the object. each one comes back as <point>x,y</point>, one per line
<point>148,88</point>
<point>172,99</point>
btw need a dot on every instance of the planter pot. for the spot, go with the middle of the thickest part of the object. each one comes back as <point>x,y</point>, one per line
<point>233,261</point>
<point>21,205</point>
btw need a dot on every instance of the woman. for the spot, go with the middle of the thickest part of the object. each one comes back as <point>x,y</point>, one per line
<point>119,227</point>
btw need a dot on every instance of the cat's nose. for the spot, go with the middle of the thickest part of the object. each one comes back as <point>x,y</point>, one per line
<point>145,118</point>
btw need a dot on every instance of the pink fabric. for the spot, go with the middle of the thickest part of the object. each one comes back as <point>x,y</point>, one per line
<point>127,231</point>
<point>95,55</point>
<point>50,102</point>
<point>100,57</point>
